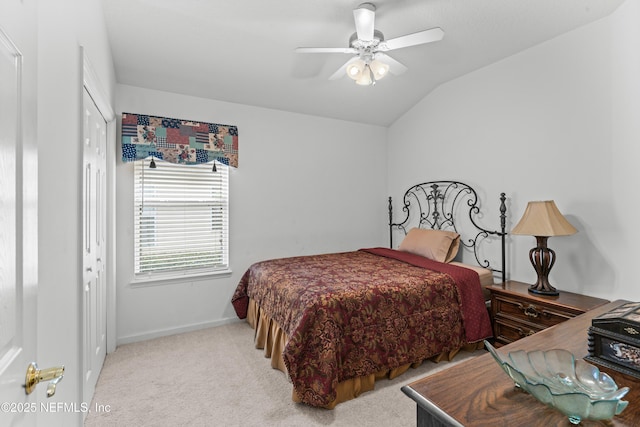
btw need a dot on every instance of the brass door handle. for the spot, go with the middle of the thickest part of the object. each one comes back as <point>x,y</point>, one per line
<point>34,376</point>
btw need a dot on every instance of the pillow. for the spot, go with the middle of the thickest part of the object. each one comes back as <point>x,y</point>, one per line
<point>438,245</point>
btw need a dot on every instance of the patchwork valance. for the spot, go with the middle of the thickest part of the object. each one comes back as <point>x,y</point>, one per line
<point>178,141</point>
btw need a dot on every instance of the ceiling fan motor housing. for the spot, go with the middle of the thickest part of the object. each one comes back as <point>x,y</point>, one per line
<point>366,48</point>
<point>356,43</point>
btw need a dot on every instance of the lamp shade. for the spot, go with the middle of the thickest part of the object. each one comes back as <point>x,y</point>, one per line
<point>354,70</point>
<point>543,219</point>
<point>365,78</point>
<point>379,69</point>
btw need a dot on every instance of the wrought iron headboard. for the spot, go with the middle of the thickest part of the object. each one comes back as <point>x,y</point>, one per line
<point>434,205</point>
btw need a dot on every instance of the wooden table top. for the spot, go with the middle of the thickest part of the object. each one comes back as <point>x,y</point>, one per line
<point>477,392</point>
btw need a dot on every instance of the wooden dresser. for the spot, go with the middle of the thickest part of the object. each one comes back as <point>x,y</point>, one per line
<point>478,393</point>
<point>516,313</point>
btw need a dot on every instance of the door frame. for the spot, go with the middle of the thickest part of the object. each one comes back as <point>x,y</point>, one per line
<point>92,84</point>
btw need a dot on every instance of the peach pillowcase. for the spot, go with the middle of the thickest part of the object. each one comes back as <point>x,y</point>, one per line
<point>438,245</point>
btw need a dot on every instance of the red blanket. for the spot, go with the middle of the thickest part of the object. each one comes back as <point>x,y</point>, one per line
<point>477,324</point>
<point>353,314</point>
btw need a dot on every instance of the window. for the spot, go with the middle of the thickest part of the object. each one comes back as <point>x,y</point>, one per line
<point>181,218</point>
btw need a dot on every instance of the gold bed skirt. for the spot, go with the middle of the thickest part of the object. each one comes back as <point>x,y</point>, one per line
<point>272,339</point>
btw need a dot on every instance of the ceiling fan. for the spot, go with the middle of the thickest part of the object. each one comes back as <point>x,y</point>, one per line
<point>370,62</point>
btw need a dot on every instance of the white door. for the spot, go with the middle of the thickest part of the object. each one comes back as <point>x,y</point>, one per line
<point>18,214</point>
<point>94,246</point>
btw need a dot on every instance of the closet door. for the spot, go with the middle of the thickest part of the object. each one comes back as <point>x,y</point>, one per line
<point>94,232</point>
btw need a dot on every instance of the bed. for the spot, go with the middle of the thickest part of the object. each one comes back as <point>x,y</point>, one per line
<point>335,323</point>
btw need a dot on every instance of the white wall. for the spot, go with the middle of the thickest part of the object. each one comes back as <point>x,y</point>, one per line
<point>60,35</point>
<point>304,185</point>
<point>625,64</point>
<point>553,122</point>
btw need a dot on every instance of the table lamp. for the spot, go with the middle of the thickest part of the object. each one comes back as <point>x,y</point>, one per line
<point>543,220</point>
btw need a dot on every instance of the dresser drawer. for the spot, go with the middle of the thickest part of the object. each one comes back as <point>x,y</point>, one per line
<point>543,315</point>
<point>517,313</point>
<point>506,331</point>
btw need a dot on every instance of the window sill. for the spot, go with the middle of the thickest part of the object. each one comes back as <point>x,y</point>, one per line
<point>171,279</point>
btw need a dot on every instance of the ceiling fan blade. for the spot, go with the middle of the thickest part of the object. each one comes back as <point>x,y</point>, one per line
<point>421,37</point>
<point>395,67</point>
<point>325,50</point>
<point>343,70</point>
<point>364,16</point>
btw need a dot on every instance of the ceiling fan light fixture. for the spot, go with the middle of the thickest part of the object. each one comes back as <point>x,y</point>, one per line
<point>379,69</point>
<point>355,69</point>
<point>366,77</point>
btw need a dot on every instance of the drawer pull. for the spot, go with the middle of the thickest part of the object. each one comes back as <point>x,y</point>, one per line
<point>525,334</point>
<point>530,310</point>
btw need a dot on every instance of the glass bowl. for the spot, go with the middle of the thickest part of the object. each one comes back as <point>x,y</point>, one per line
<point>574,387</point>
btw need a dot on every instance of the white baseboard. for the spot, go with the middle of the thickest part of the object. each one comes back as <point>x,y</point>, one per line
<point>172,331</point>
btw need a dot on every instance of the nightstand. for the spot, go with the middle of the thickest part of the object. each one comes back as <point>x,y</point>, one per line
<point>517,313</point>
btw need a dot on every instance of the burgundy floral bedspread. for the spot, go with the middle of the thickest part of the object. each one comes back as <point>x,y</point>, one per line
<point>356,313</point>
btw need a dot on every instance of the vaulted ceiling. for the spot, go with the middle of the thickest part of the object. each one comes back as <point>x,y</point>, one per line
<point>243,51</point>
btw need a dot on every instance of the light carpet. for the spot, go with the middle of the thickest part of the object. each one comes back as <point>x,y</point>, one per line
<point>215,377</point>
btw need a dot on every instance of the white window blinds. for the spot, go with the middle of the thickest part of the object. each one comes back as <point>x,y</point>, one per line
<point>181,218</point>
